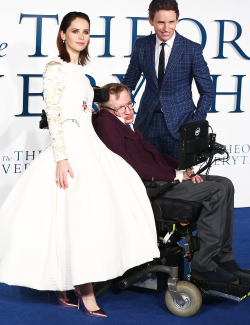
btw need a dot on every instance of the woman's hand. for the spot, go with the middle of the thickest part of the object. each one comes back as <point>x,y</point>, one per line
<point>62,169</point>
<point>195,179</point>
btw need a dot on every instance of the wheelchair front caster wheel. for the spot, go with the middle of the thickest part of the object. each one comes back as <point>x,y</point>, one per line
<point>101,287</point>
<point>190,294</point>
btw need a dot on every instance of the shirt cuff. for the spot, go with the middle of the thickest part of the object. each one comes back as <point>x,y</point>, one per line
<point>179,175</point>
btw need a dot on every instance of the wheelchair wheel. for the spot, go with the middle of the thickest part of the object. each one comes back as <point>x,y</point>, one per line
<point>192,297</point>
<point>101,287</point>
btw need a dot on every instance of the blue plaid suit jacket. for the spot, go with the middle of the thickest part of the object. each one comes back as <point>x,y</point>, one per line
<point>186,63</point>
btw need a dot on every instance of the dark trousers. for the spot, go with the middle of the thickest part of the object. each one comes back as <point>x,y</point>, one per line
<point>159,136</point>
<point>215,223</point>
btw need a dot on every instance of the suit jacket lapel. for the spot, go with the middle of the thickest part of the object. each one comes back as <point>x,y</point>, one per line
<point>174,56</point>
<point>150,54</point>
<point>126,131</point>
<point>146,145</point>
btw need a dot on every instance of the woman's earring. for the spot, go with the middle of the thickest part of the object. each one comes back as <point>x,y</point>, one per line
<point>63,41</point>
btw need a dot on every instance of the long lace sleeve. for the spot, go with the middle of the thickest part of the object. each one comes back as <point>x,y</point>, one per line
<point>53,85</point>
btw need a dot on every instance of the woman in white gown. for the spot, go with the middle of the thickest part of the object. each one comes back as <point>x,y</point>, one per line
<point>59,231</point>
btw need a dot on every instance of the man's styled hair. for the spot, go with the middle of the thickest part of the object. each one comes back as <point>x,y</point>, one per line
<point>157,5</point>
<point>113,89</point>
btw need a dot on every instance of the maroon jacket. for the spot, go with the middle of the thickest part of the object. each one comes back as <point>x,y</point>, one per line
<point>133,148</point>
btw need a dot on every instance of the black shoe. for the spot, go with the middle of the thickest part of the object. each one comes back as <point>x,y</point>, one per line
<point>232,265</point>
<point>218,276</point>
<point>233,268</point>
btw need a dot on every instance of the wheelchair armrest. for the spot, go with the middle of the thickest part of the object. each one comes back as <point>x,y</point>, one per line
<point>156,191</point>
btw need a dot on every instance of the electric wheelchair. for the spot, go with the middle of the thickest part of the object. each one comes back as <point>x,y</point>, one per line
<point>182,298</point>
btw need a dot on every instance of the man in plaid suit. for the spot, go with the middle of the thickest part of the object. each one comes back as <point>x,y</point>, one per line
<point>169,63</point>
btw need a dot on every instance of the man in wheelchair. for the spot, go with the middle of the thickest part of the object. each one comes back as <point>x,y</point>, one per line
<point>215,261</point>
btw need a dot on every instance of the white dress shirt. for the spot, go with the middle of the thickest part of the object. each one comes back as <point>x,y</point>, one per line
<point>167,49</point>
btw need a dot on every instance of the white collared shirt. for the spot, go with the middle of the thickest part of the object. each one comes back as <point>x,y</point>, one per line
<point>123,121</point>
<point>167,49</point>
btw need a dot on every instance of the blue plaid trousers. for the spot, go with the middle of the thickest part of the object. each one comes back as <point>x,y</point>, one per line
<point>158,135</point>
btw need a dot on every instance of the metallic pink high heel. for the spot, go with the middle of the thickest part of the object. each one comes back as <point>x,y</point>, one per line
<point>62,303</point>
<point>96,313</point>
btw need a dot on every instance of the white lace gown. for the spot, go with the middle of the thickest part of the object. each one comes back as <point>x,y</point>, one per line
<point>102,225</point>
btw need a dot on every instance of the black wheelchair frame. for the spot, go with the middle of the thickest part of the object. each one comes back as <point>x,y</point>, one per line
<point>182,298</point>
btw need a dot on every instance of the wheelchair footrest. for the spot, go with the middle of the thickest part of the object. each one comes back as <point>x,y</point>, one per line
<point>232,291</point>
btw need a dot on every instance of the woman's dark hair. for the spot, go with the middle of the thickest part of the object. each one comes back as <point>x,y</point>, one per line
<point>157,5</point>
<point>66,21</point>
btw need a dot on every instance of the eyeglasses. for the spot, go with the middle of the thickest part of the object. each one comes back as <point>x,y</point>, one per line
<point>122,109</point>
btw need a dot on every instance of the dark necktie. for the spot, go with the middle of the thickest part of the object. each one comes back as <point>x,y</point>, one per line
<point>161,71</point>
<point>128,126</point>
<point>161,68</point>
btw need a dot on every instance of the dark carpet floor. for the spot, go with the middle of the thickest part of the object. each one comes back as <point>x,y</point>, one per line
<point>134,306</point>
